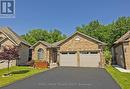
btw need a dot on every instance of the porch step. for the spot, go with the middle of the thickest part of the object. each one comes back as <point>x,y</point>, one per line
<point>53,65</point>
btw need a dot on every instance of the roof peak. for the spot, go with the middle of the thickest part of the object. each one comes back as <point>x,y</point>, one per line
<point>13,36</point>
<point>123,37</point>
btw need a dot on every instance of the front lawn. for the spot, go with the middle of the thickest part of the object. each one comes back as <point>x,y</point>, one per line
<point>18,73</point>
<point>123,79</point>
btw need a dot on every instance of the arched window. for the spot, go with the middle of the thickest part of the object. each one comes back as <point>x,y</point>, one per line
<point>40,53</point>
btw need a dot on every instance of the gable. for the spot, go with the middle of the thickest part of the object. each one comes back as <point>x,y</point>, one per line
<point>79,33</point>
<point>123,38</point>
<point>79,42</point>
<point>7,42</point>
<point>12,36</point>
<point>39,45</point>
<point>4,40</point>
<point>2,35</point>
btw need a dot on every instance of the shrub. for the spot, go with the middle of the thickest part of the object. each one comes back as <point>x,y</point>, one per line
<point>41,64</point>
<point>108,57</point>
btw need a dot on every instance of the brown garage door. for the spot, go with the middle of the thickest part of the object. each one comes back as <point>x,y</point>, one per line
<point>89,59</point>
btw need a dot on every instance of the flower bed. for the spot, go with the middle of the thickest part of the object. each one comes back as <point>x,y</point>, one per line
<point>41,64</point>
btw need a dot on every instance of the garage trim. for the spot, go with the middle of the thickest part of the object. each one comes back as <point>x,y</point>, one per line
<point>78,55</point>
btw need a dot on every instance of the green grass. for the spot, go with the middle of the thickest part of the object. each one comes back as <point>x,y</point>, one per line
<point>18,73</point>
<point>123,79</point>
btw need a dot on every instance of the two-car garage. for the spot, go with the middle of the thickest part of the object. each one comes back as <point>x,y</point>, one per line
<point>80,50</point>
<point>80,59</point>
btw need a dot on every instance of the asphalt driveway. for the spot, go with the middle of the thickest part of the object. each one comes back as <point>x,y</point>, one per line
<point>68,78</point>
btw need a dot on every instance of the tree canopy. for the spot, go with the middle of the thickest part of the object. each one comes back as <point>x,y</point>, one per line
<point>43,35</point>
<point>107,33</point>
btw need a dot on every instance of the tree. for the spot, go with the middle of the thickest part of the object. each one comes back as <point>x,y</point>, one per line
<point>9,53</point>
<point>107,33</point>
<point>43,35</point>
<point>56,35</point>
<point>108,57</point>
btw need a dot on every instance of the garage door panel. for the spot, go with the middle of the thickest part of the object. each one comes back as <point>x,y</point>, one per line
<point>68,59</point>
<point>89,60</point>
<point>86,59</point>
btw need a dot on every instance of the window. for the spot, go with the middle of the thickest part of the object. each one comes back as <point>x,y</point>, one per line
<point>72,52</point>
<point>40,53</point>
<point>64,53</point>
<point>77,39</point>
<point>93,52</point>
<point>84,52</point>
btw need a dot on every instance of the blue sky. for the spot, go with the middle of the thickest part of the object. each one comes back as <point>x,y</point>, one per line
<point>64,15</point>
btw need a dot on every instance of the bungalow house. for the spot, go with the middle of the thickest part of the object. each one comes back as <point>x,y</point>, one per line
<point>78,50</point>
<point>121,51</point>
<point>10,38</point>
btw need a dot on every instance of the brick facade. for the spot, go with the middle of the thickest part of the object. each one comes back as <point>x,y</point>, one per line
<point>77,42</point>
<point>126,47</point>
<point>81,43</point>
<point>46,53</point>
<point>121,51</point>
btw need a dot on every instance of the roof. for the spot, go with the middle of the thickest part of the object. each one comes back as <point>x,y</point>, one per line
<point>42,42</point>
<point>56,44</point>
<point>77,32</point>
<point>1,40</point>
<point>13,36</point>
<point>123,38</point>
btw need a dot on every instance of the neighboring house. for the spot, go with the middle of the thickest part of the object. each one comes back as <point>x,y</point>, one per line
<point>10,38</point>
<point>78,50</point>
<point>121,51</point>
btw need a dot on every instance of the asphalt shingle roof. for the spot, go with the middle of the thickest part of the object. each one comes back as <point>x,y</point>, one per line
<point>123,38</point>
<point>13,36</point>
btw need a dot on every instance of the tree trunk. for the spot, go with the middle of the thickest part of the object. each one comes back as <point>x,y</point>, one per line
<point>8,65</point>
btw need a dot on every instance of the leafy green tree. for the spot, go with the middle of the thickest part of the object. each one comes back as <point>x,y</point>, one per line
<point>107,33</point>
<point>56,35</point>
<point>43,35</point>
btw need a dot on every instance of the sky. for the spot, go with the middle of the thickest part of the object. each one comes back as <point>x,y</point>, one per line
<point>64,15</point>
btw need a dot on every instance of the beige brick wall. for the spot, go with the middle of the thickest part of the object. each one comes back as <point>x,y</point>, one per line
<point>35,52</point>
<point>127,54</point>
<point>81,43</point>
<point>119,55</point>
<point>78,43</point>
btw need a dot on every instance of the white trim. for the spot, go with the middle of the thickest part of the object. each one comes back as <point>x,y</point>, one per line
<point>9,38</point>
